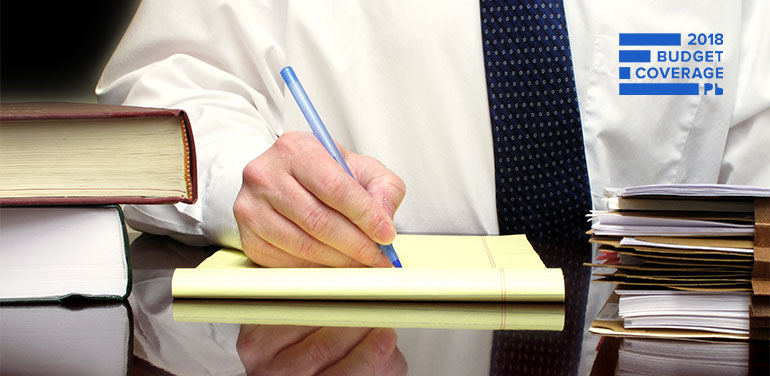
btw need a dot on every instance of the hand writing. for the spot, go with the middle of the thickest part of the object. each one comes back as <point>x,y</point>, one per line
<point>298,208</point>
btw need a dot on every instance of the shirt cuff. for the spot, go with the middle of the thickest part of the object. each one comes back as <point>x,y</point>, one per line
<point>219,225</point>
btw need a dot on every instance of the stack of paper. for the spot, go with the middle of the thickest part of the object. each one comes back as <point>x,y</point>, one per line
<point>682,256</point>
<point>661,357</point>
<point>710,191</point>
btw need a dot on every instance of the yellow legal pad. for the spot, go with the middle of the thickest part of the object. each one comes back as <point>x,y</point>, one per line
<point>436,268</point>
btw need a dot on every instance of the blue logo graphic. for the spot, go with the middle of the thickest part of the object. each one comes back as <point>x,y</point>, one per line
<point>655,58</point>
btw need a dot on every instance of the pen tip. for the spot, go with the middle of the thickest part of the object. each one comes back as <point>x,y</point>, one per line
<point>397,263</point>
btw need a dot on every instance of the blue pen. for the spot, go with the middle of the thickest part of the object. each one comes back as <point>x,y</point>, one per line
<point>320,132</point>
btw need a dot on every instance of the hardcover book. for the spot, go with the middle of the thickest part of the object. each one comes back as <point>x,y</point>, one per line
<point>53,253</point>
<point>78,153</point>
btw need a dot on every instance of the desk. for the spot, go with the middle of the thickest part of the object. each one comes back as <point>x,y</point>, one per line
<point>162,346</point>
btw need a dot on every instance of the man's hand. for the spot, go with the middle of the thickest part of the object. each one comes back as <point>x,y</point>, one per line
<point>298,208</point>
<point>303,350</point>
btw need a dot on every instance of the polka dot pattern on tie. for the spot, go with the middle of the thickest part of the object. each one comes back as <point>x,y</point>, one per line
<point>540,169</point>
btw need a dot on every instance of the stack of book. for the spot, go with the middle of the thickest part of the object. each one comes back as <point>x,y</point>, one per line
<point>689,261</point>
<point>64,169</point>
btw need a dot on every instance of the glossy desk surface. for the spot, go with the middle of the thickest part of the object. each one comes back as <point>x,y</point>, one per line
<point>160,345</point>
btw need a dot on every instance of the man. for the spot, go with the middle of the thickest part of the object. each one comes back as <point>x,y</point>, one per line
<point>402,84</point>
<point>403,87</point>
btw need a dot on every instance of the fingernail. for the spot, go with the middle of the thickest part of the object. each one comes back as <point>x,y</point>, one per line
<point>384,233</point>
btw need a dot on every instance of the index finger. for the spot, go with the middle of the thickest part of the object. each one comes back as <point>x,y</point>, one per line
<point>382,183</point>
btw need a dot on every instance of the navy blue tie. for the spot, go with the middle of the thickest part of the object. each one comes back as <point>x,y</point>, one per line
<point>540,168</point>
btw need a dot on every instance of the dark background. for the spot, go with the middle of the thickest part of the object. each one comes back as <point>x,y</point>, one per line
<point>56,50</point>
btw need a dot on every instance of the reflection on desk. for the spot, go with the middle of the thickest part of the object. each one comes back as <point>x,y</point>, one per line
<point>175,348</point>
<point>162,345</point>
<point>661,357</point>
<point>310,350</point>
<point>184,347</point>
<point>447,315</point>
<point>51,339</point>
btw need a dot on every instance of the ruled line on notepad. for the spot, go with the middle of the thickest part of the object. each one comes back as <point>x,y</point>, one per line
<point>489,253</point>
<point>502,285</point>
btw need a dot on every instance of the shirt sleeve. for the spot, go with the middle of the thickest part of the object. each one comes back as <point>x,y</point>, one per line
<point>748,140</point>
<point>220,62</point>
<point>664,139</point>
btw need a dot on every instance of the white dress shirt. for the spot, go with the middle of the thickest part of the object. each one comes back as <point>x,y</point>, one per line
<point>403,81</point>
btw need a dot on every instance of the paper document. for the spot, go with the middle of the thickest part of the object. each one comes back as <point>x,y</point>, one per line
<point>436,268</point>
<point>609,323</point>
<point>614,224</point>
<point>692,190</point>
<point>631,242</point>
